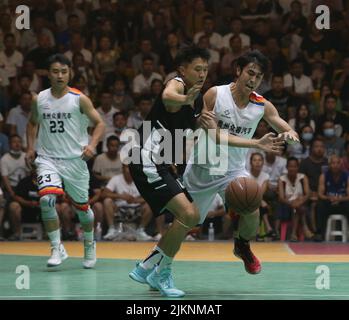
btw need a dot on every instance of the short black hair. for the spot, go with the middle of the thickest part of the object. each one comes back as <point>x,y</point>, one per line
<point>112,138</point>
<point>254,56</point>
<point>58,57</point>
<point>187,54</point>
<point>292,159</point>
<point>330,96</point>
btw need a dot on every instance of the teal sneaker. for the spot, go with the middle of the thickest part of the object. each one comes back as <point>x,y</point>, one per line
<point>163,281</point>
<point>140,274</point>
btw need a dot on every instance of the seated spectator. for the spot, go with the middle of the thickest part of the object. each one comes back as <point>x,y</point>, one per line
<point>121,98</point>
<point>333,195</point>
<point>139,115</point>
<point>340,119</point>
<point>146,50</point>
<point>235,46</point>
<point>29,71</point>
<point>25,205</point>
<point>2,214</point>
<point>293,195</point>
<point>262,179</point>
<point>213,61</point>
<point>236,28</point>
<point>302,118</point>
<point>61,16</point>
<point>215,39</point>
<point>345,158</point>
<point>79,66</point>
<point>64,37</point>
<point>341,83</point>
<point>297,83</point>
<point>122,198</point>
<point>104,59</point>
<point>108,164</point>
<point>168,56</point>
<point>18,117</point>
<point>278,96</point>
<point>11,60</point>
<point>333,144</point>
<point>301,150</point>
<point>155,89</point>
<point>119,125</point>
<point>275,167</point>
<point>13,167</point>
<point>142,82</point>
<point>80,82</point>
<point>275,55</point>
<point>76,45</point>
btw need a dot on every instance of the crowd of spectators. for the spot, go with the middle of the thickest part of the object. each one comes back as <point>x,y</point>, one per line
<point>122,53</point>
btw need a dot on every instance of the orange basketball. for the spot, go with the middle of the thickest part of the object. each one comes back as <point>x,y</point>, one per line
<point>243,195</point>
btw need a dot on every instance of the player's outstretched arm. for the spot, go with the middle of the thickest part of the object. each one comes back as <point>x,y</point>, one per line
<point>32,128</point>
<point>174,98</point>
<point>268,143</point>
<point>88,109</point>
<point>272,116</point>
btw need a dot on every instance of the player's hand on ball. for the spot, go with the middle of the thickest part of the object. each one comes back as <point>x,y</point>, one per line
<point>87,153</point>
<point>291,137</point>
<point>270,143</point>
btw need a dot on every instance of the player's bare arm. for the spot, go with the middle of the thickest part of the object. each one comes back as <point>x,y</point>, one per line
<point>174,98</point>
<point>32,128</point>
<point>268,143</point>
<point>88,109</point>
<point>272,116</point>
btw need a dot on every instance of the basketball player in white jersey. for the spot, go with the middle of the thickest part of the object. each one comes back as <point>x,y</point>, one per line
<point>58,126</point>
<point>237,108</point>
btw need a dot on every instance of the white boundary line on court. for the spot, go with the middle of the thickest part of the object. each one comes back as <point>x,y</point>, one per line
<point>187,295</point>
<point>290,251</point>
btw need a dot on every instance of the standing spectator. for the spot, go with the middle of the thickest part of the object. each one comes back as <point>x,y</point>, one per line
<point>18,117</point>
<point>293,194</point>
<point>11,60</point>
<point>108,164</point>
<point>13,167</point>
<point>142,82</point>
<point>121,196</point>
<point>333,194</point>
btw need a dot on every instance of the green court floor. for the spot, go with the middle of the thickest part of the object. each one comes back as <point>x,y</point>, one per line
<point>200,280</point>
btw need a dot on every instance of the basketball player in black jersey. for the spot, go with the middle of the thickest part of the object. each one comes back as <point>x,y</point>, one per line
<point>178,107</point>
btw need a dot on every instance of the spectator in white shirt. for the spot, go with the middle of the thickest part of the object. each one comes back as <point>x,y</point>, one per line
<point>208,30</point>
<point>11,60</point>
<point>142,82</point>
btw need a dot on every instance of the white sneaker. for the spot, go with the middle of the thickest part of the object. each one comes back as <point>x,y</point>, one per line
<point>89,254</point>
<point>142,236</point>
<point>58,255</point>
<point>189,237</point>
<point>157,237</point>
<point>110,234</point>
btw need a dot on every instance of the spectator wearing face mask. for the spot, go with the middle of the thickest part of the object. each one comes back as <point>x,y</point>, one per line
<point>333,144</point>
<point>301,150</point>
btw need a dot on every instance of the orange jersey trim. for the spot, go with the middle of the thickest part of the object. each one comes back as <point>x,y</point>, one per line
<point>50,190</point>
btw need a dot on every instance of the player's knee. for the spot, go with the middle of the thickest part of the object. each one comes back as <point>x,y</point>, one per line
<point>48,210</point>
<point>86,216</point>
<point>191,217</point>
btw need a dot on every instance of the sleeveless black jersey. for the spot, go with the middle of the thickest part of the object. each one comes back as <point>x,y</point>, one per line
<point>161,121</point>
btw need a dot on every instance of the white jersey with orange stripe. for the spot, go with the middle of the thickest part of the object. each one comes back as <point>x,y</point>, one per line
<point>62,125</point>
